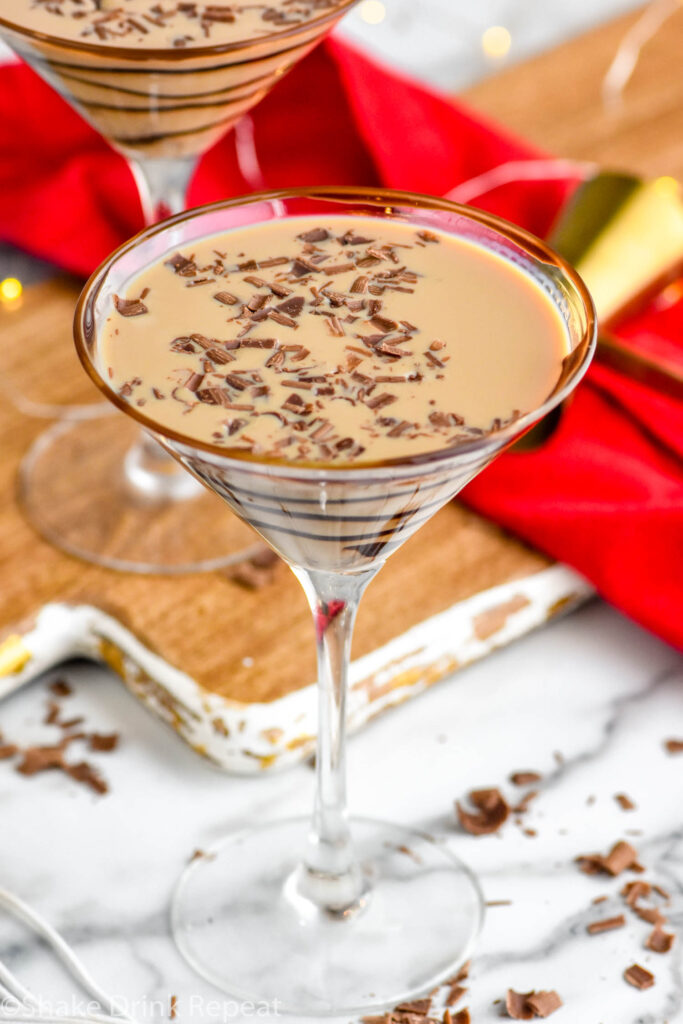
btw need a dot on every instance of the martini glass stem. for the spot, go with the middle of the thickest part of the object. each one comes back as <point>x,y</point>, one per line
<point>330,877</point>
<point>162,183</point>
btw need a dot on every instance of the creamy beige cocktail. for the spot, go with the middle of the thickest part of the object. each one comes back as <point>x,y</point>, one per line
<point>342,340</point>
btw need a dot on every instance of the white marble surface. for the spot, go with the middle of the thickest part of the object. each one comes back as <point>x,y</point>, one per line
<point>593,687</point>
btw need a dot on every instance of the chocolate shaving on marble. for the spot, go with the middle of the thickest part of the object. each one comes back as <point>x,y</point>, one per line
<point>60,688</point>
<point>461,1017</point>
<point>420,1007</point>
<point>493,812</point>
<point>528,1005</point>
<point>525,778</point>
<point>608,924</point>
<point>639,977</point>
<point>659,941</point>
<point>103,742</point>
<point>622,857</point>
<point>455,993</point>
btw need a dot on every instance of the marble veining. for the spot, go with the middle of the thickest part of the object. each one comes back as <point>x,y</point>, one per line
<point>587,701</point>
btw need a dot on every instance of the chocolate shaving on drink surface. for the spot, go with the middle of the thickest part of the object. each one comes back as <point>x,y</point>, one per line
<point>606,925</point>
<point>493,812</point>
<point>624,802</point>
<point>129,307</point>
<point>674,746</point>
<point>639,977</point>
<point>226,298</point>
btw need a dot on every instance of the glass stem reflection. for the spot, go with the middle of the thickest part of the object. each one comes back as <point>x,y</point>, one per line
<point>330,877</point>
<point>150,472</point>
<point>162,183</point>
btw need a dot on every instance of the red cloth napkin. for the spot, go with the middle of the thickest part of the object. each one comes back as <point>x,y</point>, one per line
<point>605,496</point>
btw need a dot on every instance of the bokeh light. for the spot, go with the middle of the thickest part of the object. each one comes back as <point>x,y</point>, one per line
<point>496,42</point>
<point>10,289</point>
<point>372,12</point>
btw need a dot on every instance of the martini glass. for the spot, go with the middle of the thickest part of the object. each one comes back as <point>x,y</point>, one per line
<point>161,108</point>
<point>330,915</point>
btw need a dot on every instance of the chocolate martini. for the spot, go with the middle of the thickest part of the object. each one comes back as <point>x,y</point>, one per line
<point>165,79</point>
<point>336,365</point>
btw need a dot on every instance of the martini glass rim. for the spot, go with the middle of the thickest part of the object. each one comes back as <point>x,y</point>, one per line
<point>84,325</point>
<point>178,54</point>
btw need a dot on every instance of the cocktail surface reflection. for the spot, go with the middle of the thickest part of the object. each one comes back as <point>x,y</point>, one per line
<point>342,915</point>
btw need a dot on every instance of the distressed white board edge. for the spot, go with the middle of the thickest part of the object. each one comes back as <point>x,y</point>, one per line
<point>252,737</point>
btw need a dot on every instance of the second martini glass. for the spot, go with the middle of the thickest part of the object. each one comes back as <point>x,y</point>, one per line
<point>329,915</point>
<point>97,487</point>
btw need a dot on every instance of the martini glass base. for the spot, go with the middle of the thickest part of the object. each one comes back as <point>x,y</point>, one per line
<point>240,923</point>
<point>83,488</point>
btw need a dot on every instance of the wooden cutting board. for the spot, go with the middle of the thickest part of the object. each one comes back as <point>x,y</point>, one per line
<point>202,650</point>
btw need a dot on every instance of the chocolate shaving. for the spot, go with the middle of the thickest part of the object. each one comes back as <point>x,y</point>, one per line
<point>624,802</point>
<point>226,298</point>
<point>88,775</point>
<point>104,742</point>
<point>621,857</point>
<point>455,993</point>
<point>516,1005</point>
<point>129,307</point>
<point>527,1005</point>
<point>182,266</point>
<point>8,750</point>
<point>339,268</point>
<point>293,306</point>
<point>493,812</point>
<point>219,355</point>
<point>544,1003</point>
<point>421,1007</point>
<point>314,235</point>
<point>524,778</point>
<point>659,941</point>
<point>608,924</point>
<point>638,977</point>
<point>633,891</point>
<point>674,746</point>
<point>461,1017</point>
<point>60,688</point>
<point>650,914</point>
